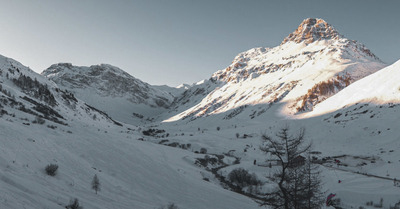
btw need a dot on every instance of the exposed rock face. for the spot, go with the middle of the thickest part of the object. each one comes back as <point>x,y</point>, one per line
<point>311,30</point>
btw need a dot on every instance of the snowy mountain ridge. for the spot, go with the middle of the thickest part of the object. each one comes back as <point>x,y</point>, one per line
<point>114,91</point>
<point>109,81</point>
<point>312,63</point>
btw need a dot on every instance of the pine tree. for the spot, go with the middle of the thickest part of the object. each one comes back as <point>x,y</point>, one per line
<point>96,183</point>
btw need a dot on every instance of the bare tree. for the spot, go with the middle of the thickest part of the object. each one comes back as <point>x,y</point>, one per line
<point>312,184</point>
<point>96,183</point>
<point>297,180</point>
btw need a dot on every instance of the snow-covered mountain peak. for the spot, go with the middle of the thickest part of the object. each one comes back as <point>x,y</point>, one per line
<point>312,64</point>
<point>93,71</point>
<point>313,42</point>
<point>313,29</point>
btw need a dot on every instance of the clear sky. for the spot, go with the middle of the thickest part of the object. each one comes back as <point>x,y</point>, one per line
<point>179,41</point>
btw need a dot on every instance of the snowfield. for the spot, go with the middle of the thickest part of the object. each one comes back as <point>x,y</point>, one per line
<point>132,173</point>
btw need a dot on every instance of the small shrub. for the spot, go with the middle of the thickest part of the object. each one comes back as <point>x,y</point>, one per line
<point>203,150</point>
<point>51,126</point>
<point>51,169</point>
<point>152,132</point>
<point>39,120</point>
<point>163,141</point>
<point>74,204</point>
<point>173,144</point>
<point>170,206</point>
<point>96,184</point>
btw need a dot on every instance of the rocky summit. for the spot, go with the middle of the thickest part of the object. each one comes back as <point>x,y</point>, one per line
<point>312,29</point>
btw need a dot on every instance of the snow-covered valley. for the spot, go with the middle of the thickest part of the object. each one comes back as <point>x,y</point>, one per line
<point>153,146</point>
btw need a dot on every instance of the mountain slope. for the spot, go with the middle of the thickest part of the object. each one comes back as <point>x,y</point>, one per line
<point>28,95</point>
<point>311,64</point>
<point>112,90</point>
<point>379,88</point>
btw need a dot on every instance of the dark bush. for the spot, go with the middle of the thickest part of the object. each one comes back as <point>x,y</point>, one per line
<point>74,204</point>
<point>242,178</point>
<point>51,169</point>
<point>170,206</point>
<point>152,132</point>
<point>173,144</point>
<point>207,161</point>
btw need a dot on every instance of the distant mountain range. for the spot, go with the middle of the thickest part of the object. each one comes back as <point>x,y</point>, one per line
<point>312,63</point>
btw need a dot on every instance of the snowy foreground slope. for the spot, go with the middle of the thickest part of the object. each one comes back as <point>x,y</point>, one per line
<point>132,173</point>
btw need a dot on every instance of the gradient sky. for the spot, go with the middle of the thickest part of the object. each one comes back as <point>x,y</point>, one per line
<point>179,41</point>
